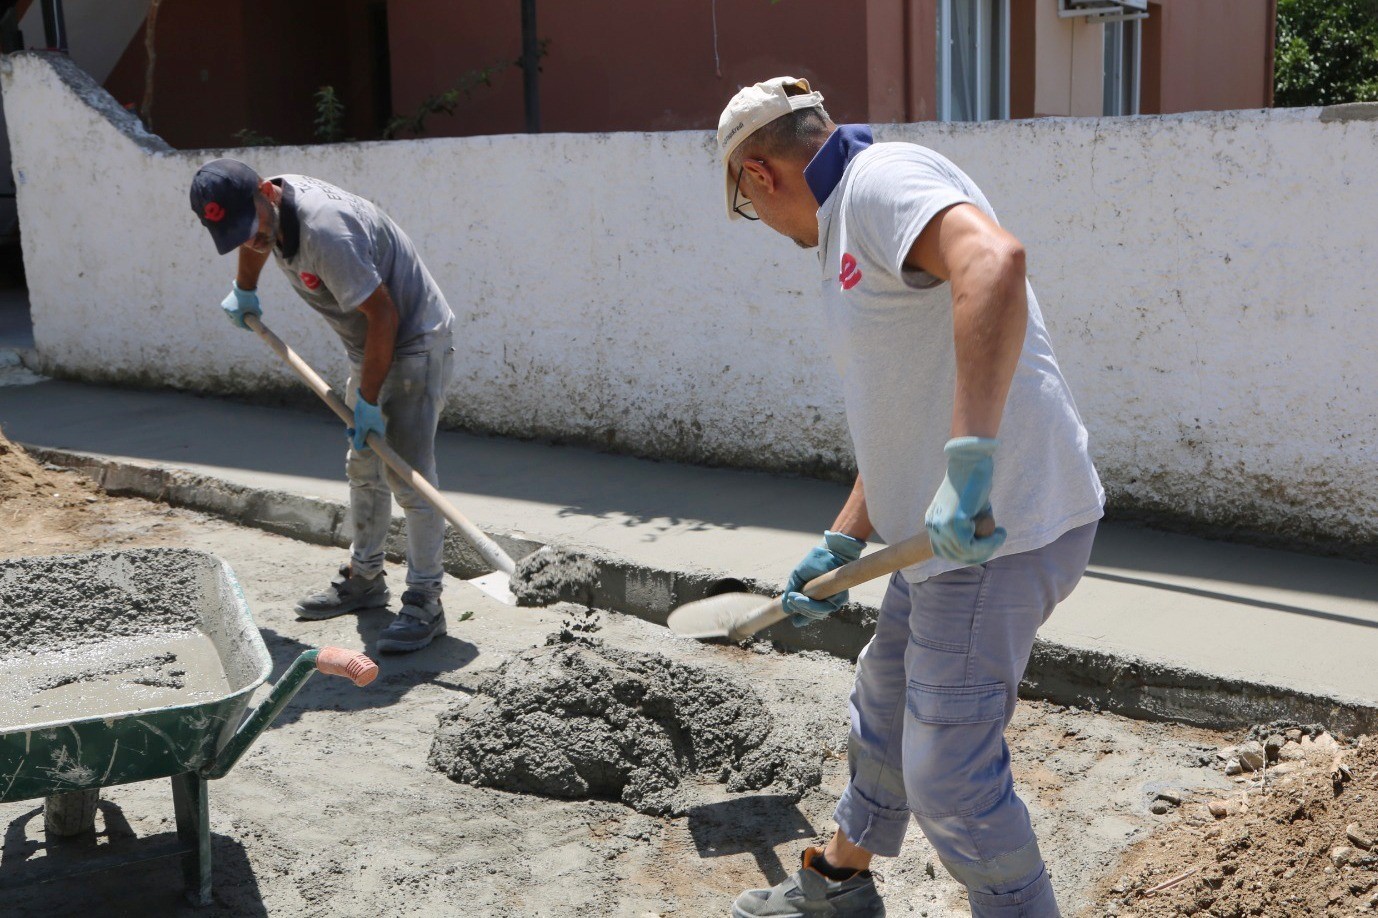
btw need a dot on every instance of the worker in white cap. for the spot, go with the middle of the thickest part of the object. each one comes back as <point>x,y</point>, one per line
<point>957,411</point>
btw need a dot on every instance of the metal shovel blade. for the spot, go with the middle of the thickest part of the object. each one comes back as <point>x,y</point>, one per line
<point>717,616</point>
<point>496,584</point>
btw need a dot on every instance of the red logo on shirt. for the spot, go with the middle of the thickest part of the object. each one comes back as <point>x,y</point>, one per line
<point>214,212</point>
<point>310,280</point>
<point>850,275</point>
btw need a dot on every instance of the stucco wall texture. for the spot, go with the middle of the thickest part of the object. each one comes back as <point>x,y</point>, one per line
<point>1206,279</point>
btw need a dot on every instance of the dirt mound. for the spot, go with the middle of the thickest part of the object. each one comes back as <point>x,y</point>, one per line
<point>579,719</point>
<point>1299,838</point>
<point>21,476</point>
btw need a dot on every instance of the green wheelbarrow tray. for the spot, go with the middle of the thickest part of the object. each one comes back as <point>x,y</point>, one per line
<point>192,742</point>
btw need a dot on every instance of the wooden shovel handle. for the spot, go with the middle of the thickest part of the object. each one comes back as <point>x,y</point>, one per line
<point>490,550</point>
<point>891,558</point>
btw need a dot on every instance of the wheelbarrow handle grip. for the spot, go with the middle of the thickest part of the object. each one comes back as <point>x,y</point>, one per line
<point>351,664</point>
<point>334,660</point>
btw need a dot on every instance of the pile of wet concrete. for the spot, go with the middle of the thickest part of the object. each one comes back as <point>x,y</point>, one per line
<point>579,719</point>
<point>62,601</point>
<point>553,575</point>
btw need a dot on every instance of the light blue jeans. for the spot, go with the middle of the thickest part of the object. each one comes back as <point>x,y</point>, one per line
<point>411,400</point>
<point>935,689</point>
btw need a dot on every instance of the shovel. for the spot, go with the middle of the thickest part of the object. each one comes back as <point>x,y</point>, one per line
<point>496,584</point>
<point>736,616</point>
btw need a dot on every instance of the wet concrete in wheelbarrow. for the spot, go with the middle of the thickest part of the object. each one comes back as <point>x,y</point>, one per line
<point>103,633</point>
<point>123,676</point>
<point>61,602</point>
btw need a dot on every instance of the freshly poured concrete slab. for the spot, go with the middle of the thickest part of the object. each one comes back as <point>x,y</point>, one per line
<point>1233,610</point>
<point>1281,618</point>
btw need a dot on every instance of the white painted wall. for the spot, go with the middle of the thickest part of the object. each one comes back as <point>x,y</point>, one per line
<point>1206,278</point>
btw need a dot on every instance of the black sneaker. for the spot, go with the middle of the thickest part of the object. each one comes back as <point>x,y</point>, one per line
<point>809,894</point>
<point>421,620</point>
<point>346,593</point>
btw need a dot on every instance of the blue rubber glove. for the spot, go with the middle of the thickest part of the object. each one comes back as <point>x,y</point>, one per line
<point>241,303</point>
<point>963,496</point>
<point>834,551</point>
<point>367,417</point>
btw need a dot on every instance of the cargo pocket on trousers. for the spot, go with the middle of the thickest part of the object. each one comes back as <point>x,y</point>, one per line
<point>973,704</point>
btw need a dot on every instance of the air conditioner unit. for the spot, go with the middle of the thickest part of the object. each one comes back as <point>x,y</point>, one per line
<point>1103,10</point>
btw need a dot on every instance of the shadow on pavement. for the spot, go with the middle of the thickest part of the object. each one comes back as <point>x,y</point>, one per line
<point>45,877</point>
<point>752,825</point>
<point>398,673</point>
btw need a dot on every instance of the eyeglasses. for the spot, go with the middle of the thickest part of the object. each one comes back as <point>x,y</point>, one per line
<point>737,191</point>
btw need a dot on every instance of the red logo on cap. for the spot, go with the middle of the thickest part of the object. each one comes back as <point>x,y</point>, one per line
<point>214,212</point>
<point>850,275</point>
<point>310,280</point>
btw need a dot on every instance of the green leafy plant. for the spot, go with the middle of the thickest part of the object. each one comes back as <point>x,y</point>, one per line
<point>1327,52</point>
<point>443,103</point>
<point>248,137</point>
<point>330,109</point>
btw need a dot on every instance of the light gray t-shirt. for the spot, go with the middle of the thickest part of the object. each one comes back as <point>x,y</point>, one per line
<point>891,334</point>
<point>337,248</point>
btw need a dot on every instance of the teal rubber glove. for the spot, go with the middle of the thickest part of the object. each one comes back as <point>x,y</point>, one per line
<point>834,551</point>
<point>241,303</point>
<point>368,417</point>
<point>963,496</point>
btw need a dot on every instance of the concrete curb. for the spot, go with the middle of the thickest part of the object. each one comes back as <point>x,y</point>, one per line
<point>1093,679</point>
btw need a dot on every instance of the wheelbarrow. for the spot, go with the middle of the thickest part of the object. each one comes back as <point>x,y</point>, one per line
<point>150,678</point>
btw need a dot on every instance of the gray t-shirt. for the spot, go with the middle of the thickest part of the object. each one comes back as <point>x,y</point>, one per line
<point>338,248</point>
<point>891,336</point>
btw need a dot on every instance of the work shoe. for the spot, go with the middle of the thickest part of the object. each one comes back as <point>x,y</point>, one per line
<point>809,894</point>
<point>421,620</point>
<point>346,593</point>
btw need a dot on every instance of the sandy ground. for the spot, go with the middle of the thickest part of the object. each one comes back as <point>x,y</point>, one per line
<point>334,810</point>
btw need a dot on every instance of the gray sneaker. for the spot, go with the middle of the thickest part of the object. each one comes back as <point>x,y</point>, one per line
<point>421,621</point>
<point>345,594</point>
<point>809,894</point>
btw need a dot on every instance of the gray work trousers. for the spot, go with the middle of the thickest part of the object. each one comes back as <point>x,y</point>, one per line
<point>935,689</point>
<point>411,400</point>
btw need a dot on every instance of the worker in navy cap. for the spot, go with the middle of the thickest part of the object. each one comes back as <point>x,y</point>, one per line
<point>352,264</point>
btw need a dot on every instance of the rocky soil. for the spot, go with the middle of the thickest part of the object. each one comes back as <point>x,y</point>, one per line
<point>1296,835</point>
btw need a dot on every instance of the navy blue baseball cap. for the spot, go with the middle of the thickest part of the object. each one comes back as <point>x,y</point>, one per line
<point>222,196</point>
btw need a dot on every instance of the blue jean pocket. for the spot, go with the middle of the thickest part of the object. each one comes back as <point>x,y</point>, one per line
<point>973,704</point>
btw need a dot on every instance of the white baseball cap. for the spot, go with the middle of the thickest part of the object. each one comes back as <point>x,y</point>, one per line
<point>752,108</point>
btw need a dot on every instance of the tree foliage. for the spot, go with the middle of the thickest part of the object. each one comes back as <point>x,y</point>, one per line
<point>1327,52</point>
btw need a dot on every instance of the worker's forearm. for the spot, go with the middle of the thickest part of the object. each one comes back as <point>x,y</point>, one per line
<point>855,520</point>
<point>250,267</point>
<point>378,350</point>
<point>990,313</point>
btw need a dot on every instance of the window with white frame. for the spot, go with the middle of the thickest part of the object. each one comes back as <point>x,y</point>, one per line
<point>973,60</point>
<point>1123,41</point>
